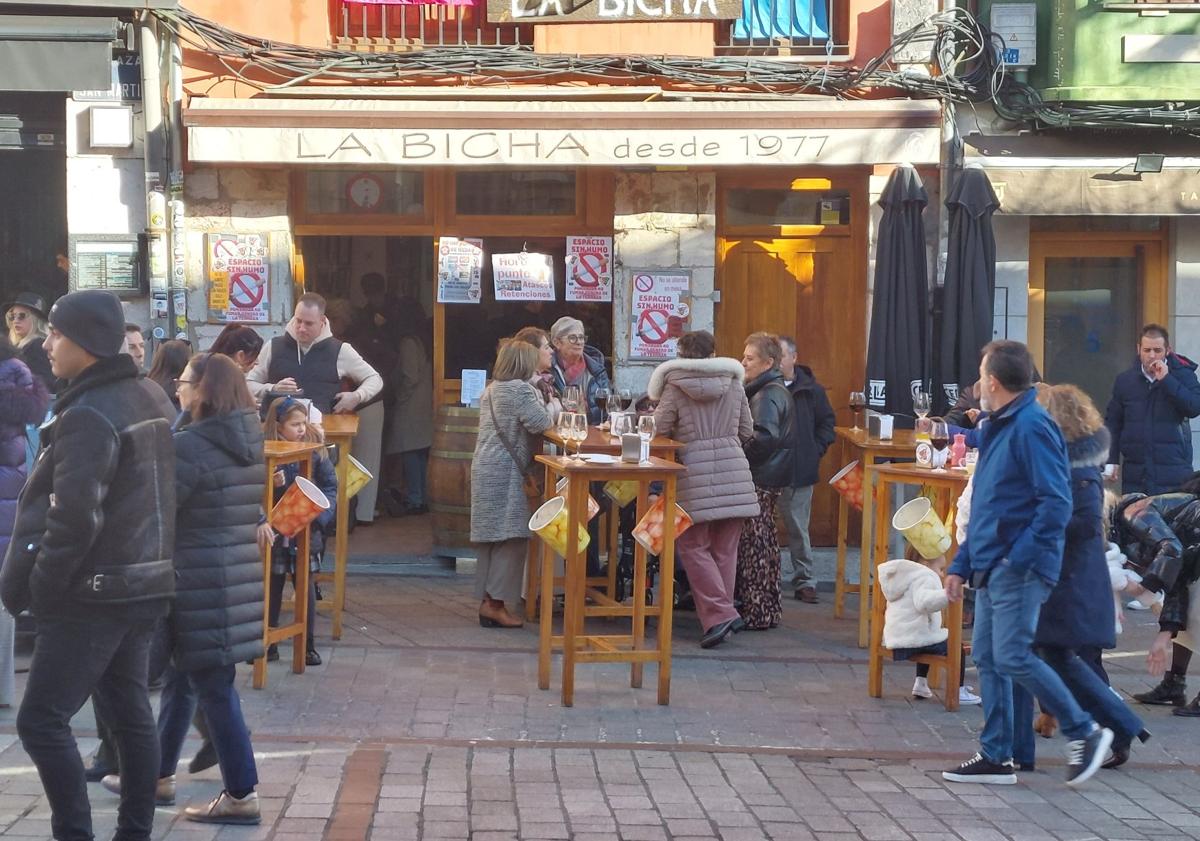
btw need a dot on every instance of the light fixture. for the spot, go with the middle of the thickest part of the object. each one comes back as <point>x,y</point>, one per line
<point>111,127</point>
<point>1148,163</point>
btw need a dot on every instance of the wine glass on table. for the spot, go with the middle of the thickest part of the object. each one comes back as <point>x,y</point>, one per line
<point>939,439</point>
<point>602,395</point>
<point>564,427</point>
<point>626,399</point>
<point>579,431</point>
<point>858,402</point>
<point>572,398</point>
<point>922,403</point>
<point>646,428</point>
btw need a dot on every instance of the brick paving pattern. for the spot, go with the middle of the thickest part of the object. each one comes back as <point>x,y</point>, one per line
<point>421,725</point>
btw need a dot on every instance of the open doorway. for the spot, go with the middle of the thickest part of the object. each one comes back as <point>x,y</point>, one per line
<point>379,293</point>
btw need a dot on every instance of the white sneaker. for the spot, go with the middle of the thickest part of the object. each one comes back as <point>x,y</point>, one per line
<point>921,688</point>
<point>1134,604</point>
<point>967,698</point>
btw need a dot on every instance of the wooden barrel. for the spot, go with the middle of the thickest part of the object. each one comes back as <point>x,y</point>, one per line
<point>454,432</point>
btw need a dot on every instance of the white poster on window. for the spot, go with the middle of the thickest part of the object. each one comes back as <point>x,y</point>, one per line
<point>660,310</point>
<point>523,277</point>
<point>589,269</point>
<point>460,266</point>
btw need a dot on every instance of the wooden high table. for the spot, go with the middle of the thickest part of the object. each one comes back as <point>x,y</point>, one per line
<point>339,430</point>
<point>947,486</point>
<point>578,646</point>
<point>277,454</point>
<point>870,451</point>
<point>598,441</point>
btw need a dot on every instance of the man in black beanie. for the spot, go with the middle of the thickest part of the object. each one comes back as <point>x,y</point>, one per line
<point>91,556</point>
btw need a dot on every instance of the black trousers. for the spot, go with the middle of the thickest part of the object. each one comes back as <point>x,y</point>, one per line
<point>72,659</point>
<point>277,582</point>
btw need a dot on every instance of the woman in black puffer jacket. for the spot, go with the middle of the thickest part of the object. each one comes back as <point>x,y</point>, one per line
<point>772,464</point>
<point>217,620</point>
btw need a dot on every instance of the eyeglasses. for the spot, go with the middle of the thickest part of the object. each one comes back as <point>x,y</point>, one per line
<point>576,338</point>
<point>180,381</point>
<point>11,316</point>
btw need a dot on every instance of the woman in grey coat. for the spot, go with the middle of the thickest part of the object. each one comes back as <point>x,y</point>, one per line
<point>512,417</point>
<point>701,403</point>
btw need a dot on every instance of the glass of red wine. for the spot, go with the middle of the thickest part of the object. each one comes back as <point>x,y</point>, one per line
<point>858,402</point>
<point>939,438</point>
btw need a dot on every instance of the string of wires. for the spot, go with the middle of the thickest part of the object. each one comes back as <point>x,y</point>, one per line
<point>1019,102</point>
<point>966,65</point>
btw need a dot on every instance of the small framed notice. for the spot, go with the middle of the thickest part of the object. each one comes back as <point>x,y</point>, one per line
<point>474,381</point>
<point>106,261</point>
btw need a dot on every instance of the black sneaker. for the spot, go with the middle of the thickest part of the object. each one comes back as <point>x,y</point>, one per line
<point>1085,756</point>
<point>980,770</point>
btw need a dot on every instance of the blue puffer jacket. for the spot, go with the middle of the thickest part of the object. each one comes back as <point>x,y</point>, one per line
<point>1022,497</point>
<point>23,400</point>
<point>596,379</point>
<point>1079,612</point>
<point>1149,426</point>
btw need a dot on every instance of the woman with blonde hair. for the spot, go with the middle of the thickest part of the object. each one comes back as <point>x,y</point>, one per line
<point>1077,620</point>
<point>25,318</point>
<point>512,418</point>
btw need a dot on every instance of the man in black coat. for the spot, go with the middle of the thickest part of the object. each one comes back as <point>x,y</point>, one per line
<point>1149,417</point>
<point>91,556</point>
<point>814,433</point>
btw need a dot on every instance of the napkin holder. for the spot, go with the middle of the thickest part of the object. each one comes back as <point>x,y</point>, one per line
<point>880,426</point>
<point>633,449</point>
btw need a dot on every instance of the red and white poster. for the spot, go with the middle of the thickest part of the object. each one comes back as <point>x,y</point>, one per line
<point>239,276</point>
<point>661,308</point>
<point>589,268</point>
<point>460,269</point>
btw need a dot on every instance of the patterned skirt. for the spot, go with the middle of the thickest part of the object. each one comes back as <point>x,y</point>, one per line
<point>757,586</point>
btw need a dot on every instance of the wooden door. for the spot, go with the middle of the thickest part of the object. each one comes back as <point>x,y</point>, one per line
<point>807,288</point>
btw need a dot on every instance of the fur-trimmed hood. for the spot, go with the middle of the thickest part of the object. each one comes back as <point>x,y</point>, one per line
<point>700,379</point>
<point>1091,450</point>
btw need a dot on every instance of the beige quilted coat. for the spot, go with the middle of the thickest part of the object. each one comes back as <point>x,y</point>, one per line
<point>702,404</point>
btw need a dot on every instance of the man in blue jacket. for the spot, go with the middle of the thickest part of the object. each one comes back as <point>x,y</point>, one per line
<point>1019,511</point>
<point>1149,414</point>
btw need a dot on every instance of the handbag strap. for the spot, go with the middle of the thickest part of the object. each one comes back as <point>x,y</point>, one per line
<point>512,452</point>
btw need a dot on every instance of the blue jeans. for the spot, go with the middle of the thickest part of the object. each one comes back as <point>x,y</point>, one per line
<point>415,463</point>
<point>1092,693</point>
<point>213,689</point>
<point>1006,617</point>
<point>74,658</point>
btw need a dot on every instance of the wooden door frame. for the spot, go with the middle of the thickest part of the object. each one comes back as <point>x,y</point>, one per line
<point>855,180</point>
<point>1153,300</point>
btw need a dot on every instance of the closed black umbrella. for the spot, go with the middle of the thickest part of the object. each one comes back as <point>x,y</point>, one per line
<point>970,288</point>
<point>897,356</point>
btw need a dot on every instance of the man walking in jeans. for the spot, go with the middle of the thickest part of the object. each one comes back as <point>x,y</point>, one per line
<point>1019,511</point>
<point>91,555</point>
<point>814,433</point>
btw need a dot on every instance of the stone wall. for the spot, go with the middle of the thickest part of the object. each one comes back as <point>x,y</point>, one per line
<point>663,220</point>
<point>237,200</point>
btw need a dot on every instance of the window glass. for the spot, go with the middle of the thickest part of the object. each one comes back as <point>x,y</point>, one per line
<point>760,207</point>
<point>396,192</point>
<point>548,192</point>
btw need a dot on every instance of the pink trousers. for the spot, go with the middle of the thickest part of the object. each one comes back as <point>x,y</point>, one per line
<point>709,555</point>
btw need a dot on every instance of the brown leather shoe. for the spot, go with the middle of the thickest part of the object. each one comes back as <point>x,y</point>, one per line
<point>493,614</point>
<point>808,595</point>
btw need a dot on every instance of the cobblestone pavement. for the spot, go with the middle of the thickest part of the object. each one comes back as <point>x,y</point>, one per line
<point>421,724</point>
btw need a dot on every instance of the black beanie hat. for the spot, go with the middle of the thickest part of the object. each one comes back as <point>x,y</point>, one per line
<point>92,319</point>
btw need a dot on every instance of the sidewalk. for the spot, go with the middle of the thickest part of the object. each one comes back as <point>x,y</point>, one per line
<point>421,724</point>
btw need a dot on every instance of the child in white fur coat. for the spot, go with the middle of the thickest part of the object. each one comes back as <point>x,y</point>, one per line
<point>912,622</point>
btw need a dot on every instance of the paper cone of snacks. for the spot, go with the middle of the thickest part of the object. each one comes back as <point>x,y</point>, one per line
<point>622,493</point>
<point>299,506</point>
<point>649,530</point>
<point>593,507</point>
<point>849,483</point>
<point>923,528</point>
<point>357,477</point>
<point>550,524</point>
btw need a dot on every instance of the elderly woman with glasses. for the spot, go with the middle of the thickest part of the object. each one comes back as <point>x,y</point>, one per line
<point>25,318</point>
<point>578,363</point>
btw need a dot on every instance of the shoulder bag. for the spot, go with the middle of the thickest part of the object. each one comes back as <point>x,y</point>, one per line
<point>532,480</point>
